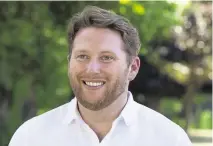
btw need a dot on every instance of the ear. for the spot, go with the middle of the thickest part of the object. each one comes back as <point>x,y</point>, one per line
<point>68,57</point>
<point>134,68</point>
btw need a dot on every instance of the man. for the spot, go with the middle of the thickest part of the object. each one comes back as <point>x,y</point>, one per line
<point>103,59</point>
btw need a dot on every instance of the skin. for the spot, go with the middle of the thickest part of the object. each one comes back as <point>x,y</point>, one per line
<point>98,56</point>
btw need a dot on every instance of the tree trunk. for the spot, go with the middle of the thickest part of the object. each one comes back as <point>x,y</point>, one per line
<point>187,105</point>
<point>29,108</point>
<point>194,84</point>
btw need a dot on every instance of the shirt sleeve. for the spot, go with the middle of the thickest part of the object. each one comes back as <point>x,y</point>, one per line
<point>183,139</point>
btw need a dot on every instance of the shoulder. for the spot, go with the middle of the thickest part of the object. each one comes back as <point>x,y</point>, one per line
<point>154,118</point>
<point>39,122</point>
<point>54,116</point>
<point>160,126</point>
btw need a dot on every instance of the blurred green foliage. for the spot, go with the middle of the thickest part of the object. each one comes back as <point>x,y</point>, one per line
<point>205,121</point>
<point>200,119</point>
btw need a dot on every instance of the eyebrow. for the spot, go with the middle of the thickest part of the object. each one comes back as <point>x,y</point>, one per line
<point>106,52</point>
<point>85,51</point>
<point>80,51</point>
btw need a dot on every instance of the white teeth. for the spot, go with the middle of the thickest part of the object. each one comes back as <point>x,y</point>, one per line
<point>94,84</point>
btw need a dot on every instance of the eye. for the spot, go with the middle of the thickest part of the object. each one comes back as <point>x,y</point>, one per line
<point>107,58</point>
<point>82,57</point>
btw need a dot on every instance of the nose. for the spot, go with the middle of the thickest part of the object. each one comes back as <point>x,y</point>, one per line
<point>93,66</point>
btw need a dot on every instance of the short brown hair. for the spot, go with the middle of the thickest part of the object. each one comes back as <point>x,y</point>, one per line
<point>98,17</point>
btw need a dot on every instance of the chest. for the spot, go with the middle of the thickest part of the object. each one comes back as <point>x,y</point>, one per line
<point>84,136</point>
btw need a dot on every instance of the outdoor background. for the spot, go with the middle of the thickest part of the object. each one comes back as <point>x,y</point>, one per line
<point>175,78</point>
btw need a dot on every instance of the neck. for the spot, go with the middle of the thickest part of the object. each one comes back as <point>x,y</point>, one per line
<point>101,121</point>
<point>106,115</point>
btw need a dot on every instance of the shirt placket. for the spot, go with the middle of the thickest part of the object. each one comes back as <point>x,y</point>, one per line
<point>94,138</point>
<point>107,138</point>
<point>91,134</point>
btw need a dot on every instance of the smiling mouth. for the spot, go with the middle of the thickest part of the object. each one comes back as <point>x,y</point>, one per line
<point>94,83</point>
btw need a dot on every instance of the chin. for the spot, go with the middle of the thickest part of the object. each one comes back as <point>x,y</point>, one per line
<point>93,99</point>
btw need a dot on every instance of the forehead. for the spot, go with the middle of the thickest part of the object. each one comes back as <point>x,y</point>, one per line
<point>98,39</point>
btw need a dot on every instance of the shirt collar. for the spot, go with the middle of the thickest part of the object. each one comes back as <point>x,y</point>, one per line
<point>72,112</point>
<point>128,114</point>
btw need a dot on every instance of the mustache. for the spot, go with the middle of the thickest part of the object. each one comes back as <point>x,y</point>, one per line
<point>92,76</point>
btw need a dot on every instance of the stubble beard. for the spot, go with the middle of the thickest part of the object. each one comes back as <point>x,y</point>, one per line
<point>109,96</point>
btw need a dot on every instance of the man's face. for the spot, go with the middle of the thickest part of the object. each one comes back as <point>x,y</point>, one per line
<point>98,70</point>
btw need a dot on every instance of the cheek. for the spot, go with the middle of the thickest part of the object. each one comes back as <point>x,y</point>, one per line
<point>72,71</point>
<point>125,73</point>
<point>118,73</point>
<point>72,64</point>
<point>75,67</point>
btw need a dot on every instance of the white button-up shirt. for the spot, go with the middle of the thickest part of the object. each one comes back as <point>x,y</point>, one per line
<point>137,125</point>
